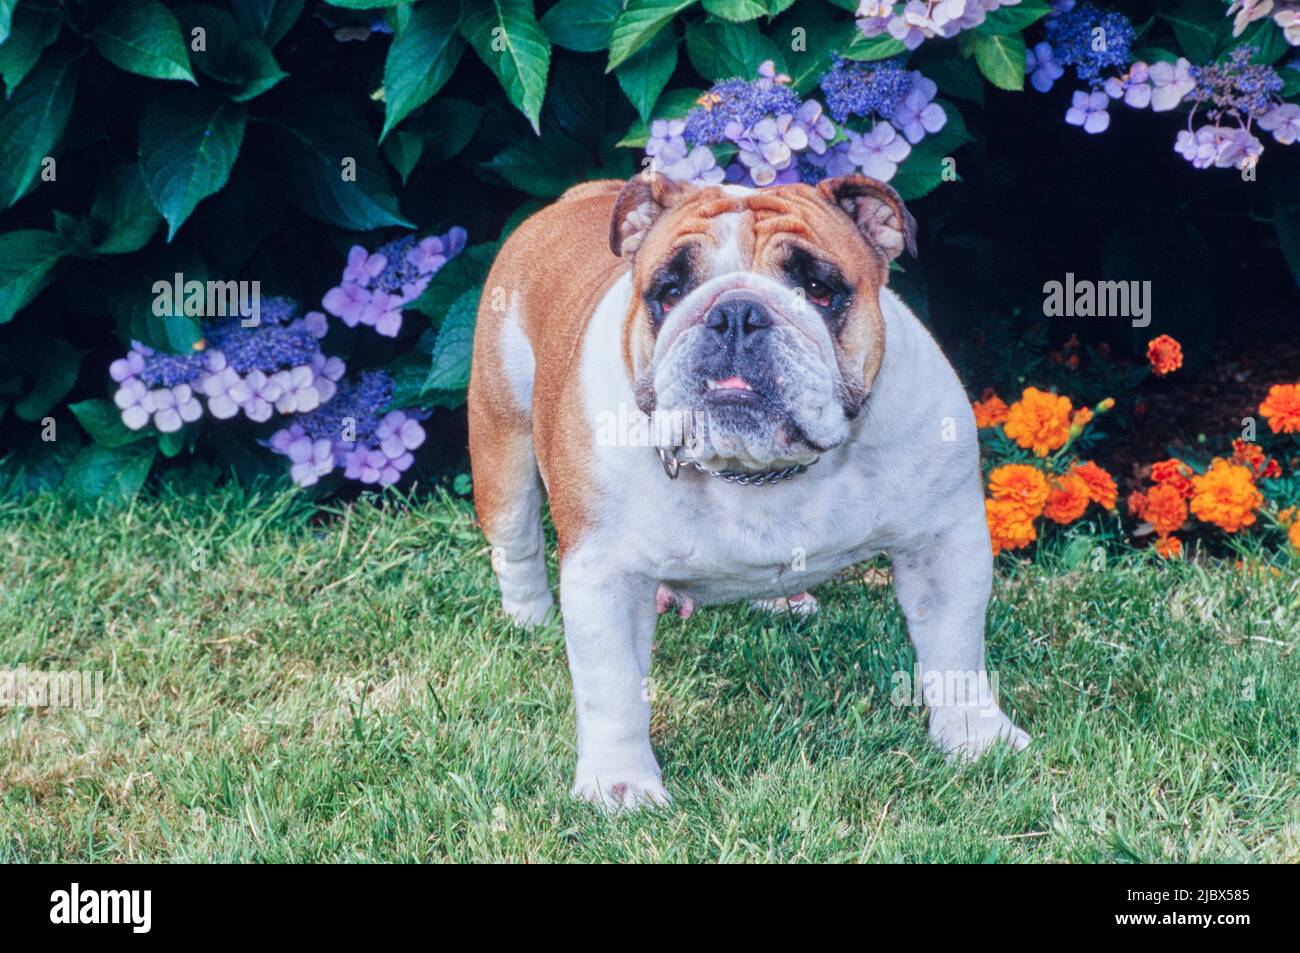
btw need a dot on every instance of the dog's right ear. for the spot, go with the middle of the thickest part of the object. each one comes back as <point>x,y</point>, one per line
<point>641,201</point>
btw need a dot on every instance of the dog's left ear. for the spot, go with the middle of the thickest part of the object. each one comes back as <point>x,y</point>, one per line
<point>642,199</point>
<point>876,209</point>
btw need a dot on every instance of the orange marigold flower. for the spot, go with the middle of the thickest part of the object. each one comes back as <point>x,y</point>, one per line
<point>1226,496</point>
<point>1282,408</point>
<point>1039,421</point>
<point>1101,485</point>
<point>1165,509</point>
<point>1252,455</point>
<point>1293,534</point>
<point>1137,505</point>
<point>1173,472</point>
<point>990,411</point>
<point>1165,355</point>
<point>1286,516</point>
<point>1169,547</point>
<point>1067,500</point>
<point>1009,528</point>
<point>1023,485</point>
<point>1082,417</point>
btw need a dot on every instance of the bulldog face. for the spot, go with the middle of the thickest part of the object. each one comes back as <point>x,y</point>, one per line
<point>755,315</point>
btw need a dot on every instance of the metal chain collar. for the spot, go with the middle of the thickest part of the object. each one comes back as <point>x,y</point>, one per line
<point>673,467</point>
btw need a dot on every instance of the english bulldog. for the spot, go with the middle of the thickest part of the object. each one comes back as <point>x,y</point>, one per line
<point>722,401</point>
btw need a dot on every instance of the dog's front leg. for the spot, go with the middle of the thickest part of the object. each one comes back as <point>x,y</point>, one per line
<point>943,588</point>
<point>609,622</point>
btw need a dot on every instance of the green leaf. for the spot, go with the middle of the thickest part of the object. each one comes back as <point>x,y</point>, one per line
<point>719,50</point>
<point>447,125</point>
<point>737,11</point>
<point>360,4</point>
<point>1001,58</point>
<point>824,35</point>
<point>872,48</point>
<point>189,139</point>
<point>402,150</point>
<point>673,104</point>
<point>319,142</point>
<point>922,171</point>
<point>644,76</point>
<point>1196,27</point>
<point>450,362</point>
<point>25,260</point>
<point>33,30</point>
<point>111,474</point>
<point>268,20</point>
<point>583,26</point>
<point>507,37</point>
<point>544,166</point>
<point>637,25</point>
<point>103,421</point>
<point>6,18</point>
<point>1014,19</point>
<point>145,313</point>
<point>142,36</point>
<point>52,367</point>
<point>230,55</point>
<point>954,76</point>
<point>171,443</point>
<point>123,216</point>
<point>465,271</point>
<point>32,123</point>
<point>423,55</point>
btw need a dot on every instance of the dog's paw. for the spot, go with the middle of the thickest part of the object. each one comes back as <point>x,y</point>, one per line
<point>531,611</point>
<point>615,794</point>
<point>800,604</point>
<point>963,734</point>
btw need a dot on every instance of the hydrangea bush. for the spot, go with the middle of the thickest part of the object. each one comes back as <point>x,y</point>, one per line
<point>308,145</point>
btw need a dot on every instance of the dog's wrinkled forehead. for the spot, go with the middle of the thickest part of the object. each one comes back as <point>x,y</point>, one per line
<point>858,223</point>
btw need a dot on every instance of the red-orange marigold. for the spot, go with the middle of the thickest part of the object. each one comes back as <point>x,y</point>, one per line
<point>1021,484</point>
<point>1101,485</point>
<point>1067,499</point>
<point>1226,496</point>
<point>1282,408</point>
<point>1165,355</point>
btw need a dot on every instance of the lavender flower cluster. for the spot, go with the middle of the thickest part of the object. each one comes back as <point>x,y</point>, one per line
<point>1237,95</point>
<point>779,139</point>
<point>914,22</point>
<point>376,286</point>
<point>350,433</point>
<point>275,365</point>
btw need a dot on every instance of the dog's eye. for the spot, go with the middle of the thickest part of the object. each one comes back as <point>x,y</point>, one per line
<point>819,293</point>
<point>669,296</point>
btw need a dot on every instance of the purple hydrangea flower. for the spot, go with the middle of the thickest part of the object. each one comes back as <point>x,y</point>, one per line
<point>879,151</point>
<point>1088,109</point>
<point>1170,83</point>
<point>1073,37</point>
<point>1041,67</point>
<point>1283,122</point>
<point>666,142</point>
<point>916,114</point>
<point>375,287</point>
<point>1134,86</point>
<point>863,89</point>
<point>699,167</point>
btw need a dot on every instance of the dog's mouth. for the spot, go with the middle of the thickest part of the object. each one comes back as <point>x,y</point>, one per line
<point>731,390</point>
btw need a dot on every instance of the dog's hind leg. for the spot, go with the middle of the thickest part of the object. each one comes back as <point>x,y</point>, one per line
<point>507,485</point>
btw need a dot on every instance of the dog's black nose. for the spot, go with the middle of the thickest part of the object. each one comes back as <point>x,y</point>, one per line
<point>738,317</point>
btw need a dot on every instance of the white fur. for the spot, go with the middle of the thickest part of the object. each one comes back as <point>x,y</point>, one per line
<point>896,486</point>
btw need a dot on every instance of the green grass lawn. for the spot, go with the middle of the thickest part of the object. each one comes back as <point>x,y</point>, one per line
<point>289,685</point>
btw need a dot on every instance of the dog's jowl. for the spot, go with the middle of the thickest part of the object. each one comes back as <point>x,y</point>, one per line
<point>812,423</point>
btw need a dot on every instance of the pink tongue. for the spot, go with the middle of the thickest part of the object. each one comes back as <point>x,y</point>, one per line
<point>738,383</point>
